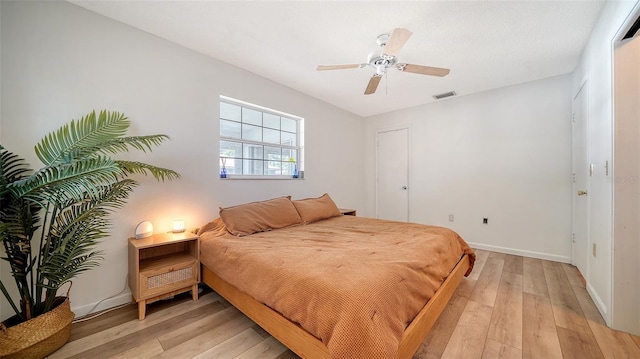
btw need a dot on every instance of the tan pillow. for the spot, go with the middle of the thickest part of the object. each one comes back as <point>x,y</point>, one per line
<point>254,217</point>
<point>316,209</point>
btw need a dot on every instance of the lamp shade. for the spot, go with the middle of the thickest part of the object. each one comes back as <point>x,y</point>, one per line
<point>144,229</point>
<point>178,226</point>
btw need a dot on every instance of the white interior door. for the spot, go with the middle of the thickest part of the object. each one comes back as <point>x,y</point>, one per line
<point>625,311</point>
<point>392,166</point>
<point>581,173</point>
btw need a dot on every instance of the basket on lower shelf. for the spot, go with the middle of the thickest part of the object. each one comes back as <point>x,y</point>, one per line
<point>40,336</point>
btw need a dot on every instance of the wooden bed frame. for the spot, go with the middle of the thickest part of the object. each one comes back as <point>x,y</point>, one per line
<point>306,345</point>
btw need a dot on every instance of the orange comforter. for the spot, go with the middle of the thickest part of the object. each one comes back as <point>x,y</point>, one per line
<point>355,283</point>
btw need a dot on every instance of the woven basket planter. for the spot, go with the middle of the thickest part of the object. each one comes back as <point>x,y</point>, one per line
<point>40,336</point>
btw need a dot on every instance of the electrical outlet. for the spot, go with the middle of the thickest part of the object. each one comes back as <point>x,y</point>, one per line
<point>485,221</point>
<point>451,218</point>
<point>594,249</point>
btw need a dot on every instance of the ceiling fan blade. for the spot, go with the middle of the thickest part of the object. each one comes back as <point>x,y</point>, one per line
<point>396,41</point>
<point>423,70</point>
<point>373,84</point>
<point>338,67</point>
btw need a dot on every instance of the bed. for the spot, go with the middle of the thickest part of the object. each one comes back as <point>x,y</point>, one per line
<point>333,286</point>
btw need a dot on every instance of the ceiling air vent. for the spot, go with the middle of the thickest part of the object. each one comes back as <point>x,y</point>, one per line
<point>444,95</point>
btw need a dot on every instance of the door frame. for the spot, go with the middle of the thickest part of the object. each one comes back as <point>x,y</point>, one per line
<point>583,87</point>
<point>409,165</point>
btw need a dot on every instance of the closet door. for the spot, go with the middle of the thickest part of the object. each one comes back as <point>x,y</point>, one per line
<point>392,175</point>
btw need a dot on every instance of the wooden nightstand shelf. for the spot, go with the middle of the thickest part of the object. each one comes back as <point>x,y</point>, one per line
<point>347,212</point>
<point>163,265</point>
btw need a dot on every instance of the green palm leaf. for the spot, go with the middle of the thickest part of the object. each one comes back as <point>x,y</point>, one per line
<point>12,168</point>
<point>117,145</point>
<point>87,132</point>
<point>160,174</point>
<point>68,180</point>
<point>75,232</point>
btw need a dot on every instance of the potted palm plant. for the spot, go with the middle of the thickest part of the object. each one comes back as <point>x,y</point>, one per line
<point>51,220</point>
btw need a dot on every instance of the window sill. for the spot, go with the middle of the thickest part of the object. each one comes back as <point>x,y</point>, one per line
<point>277,178</point>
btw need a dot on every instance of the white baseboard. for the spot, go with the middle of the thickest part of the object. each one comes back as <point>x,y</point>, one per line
<point>83,310</point>
<point>598,302</point>
<point>520,252</point>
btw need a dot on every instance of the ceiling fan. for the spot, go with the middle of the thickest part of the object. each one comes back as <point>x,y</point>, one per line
<point>387,58</point>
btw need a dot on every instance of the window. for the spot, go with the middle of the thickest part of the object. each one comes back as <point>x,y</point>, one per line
<point>259,142</point>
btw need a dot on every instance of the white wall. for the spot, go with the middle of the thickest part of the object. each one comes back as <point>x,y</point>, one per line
<point>596,66</point>
<point>504,154</point>
<point>60,61</point>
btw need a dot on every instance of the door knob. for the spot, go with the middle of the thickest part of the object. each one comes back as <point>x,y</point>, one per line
<point>404,188</point>
<point>582,193</point>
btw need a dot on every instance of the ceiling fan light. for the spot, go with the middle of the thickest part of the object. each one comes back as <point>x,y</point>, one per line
<point>382,39</point>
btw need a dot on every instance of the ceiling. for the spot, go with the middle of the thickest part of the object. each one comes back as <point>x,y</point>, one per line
<point>486,44</point>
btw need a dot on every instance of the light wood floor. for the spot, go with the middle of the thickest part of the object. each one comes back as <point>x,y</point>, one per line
<point>509,307</point>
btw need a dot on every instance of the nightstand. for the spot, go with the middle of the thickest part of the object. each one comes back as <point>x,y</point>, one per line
<point>163,265</point>
<point>347,212</point>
